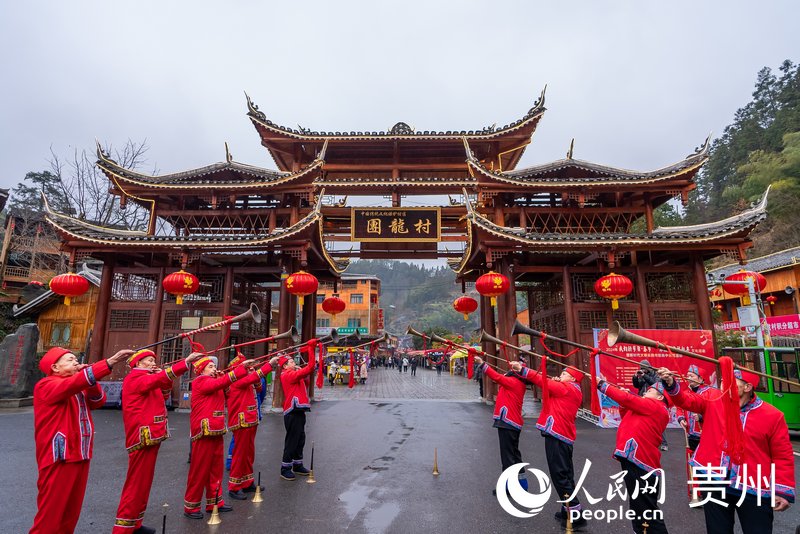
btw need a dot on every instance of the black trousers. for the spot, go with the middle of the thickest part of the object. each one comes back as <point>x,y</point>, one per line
<point>645,503</point>
<point>413,370</point>
<point>753,519</point>
<point>509,447</point>
<point>559,462</point>
<point>480,387</point>
<point>693,443</point>
<point>295,424</point>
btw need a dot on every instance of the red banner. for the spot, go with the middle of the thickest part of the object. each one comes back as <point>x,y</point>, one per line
<point>779,325</point>
<point>380,319</point>
<point>621,373</point>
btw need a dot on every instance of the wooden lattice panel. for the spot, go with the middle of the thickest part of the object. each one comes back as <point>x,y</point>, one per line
<point>212,287</point>
<point>130,287</point>
<point>554,323</point>
<point>675,319</point>
<point>579,222</point>
<point>545,294</point>
<point>669,287</point>
<point>628,319</point>
<point>588,320</point>
<point>129,320</point>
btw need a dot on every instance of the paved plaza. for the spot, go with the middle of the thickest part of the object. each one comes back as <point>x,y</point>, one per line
<point>373,461</point>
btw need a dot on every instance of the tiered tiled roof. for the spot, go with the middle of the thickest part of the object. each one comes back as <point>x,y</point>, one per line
<point>571,172</point>
<point>400,130</point>
<point>790,256</point>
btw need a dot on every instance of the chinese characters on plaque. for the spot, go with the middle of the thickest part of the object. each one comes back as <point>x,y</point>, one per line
<point>396,224</point>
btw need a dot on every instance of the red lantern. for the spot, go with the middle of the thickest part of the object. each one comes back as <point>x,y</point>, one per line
<point>69,285</point>
<point>772,299</point>
<point>333,305</point>
<point>759,282</point>
<point>614,287</point>
<point>180,283</point>
<point>492,284</point>
<point>718,307</point>
<point>465,305</point>
<point>301,284</point>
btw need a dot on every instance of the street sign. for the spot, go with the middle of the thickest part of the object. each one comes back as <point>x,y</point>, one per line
<point>347,330</point>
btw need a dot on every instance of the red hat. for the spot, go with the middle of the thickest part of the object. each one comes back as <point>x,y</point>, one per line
<point>696,370</point>
<point>282,360</point>
<point>201,364</point>
<point>577,374</point>
<point>50,357</point>
<point>751,378</point>
<point>239,358</point>
<point>139,356</point>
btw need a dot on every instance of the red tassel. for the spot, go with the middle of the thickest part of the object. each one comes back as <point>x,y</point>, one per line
<point>321,368</point>
<point>352,381</point>
<point>593,370</point>
<point>734,444</point>
<point>545,385</point>
<point>470,363</point>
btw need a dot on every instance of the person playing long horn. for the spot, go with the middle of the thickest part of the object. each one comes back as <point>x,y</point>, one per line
<point>64,434</point>
<point>508,412</point>
<point>743,440</point>
<point>144,415</point>
<point>295,382</point>
<point>243,422</point>
<point>638,450</point>
<point>562,397</point>
<point>207,427</point>
<point>692,422</point>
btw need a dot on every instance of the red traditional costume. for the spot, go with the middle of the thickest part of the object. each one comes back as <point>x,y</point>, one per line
<point>295,405</point>
<point>207,426</point>
<point>243,422</point>
<point>64,434</point>
<point>766,441</point>
<point>508,406</point>
<point>144,414</point>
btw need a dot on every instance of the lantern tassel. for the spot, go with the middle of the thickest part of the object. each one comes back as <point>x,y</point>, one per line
<point>614,304</point>
<point>66,301</point>
<point>178,299</point>
<point>493,302</point>
<point>466,317</point>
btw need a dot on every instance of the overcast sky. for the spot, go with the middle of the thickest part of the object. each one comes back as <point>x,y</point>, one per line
<point>637,84</point>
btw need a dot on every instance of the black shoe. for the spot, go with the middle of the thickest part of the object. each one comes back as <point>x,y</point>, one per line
<point>287,474</point>
<point>579,522</point>
<point>252,489</point>
<point>193,515</point>
<point>300,470</point>
<point>144,530</point>
<point>238,495</point>
<point>224,508</point>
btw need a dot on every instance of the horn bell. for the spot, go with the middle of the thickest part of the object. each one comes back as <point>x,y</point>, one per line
<point>292,334</point>
<point>413,332</point>
<point>487,338</point>
<point>520,328</point>
<point>617,334</point>
<point>255,313</point>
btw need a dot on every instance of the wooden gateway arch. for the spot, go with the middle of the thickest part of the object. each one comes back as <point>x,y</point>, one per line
<point>553,229</point>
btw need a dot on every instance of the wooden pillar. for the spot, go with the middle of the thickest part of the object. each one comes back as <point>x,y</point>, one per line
<point>156,323</point>
<point>285,321</point>
<point>701,294</point>
<point>98,344</point>
<point>227,297</point>
<point>641,290</point>
<point>507,308</point>
<point>488,325</point>
<point>569,305</point>
<point>308,326</point>
<point>648,207</point>
<point>530,300</point>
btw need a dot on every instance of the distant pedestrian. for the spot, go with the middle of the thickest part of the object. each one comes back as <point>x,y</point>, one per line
<point>478,377</point>
<point>405,364</point>
<point>363,373</point>
<point>414,366</point>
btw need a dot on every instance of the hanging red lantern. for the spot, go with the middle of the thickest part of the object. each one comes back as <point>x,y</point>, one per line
<point>492,284</point>
<point>465,305</point>
<point>771,300</point>
<point>301,284</point>
<point>759,282</point>
<point>614,287</point>
<point>333,305</point>
<point>69,285</point>
<point>718,307</point>
<point>180,283</point>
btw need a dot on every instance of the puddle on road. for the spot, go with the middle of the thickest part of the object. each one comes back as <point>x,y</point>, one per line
<point>356,496</point>
<point>379,519</point>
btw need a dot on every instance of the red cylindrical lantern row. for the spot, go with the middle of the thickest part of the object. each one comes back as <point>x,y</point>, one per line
<point>613,287</point>
<point>69,285</point>
<point>492,285</point>
<point>465,305</point>
<point>333,305</point>
<point>180,283</point>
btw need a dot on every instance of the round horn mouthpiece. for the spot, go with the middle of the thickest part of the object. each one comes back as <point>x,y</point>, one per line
<point>613,334</point>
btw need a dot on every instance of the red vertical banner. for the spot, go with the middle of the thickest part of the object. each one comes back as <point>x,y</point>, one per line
<point>380,319</point>
<point>621,373</point>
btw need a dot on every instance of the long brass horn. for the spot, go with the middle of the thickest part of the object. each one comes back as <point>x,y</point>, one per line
<point>487,338</point>
<point>292,334</point>
<point>520,328</point>
<point>332,337</point>
<point>617,334</point>
<point>355,336</point>
<point>413,332</point>
<point>253,313</point>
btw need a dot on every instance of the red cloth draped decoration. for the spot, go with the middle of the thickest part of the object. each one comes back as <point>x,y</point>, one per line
<point>197,346</point>
<point>505,354</point>
<point>352,381</point>
<point>321,368</point>
<point>545,384</point>
<point>373,348</point>
<point>470,362</point>
<point>734,444</point>
<point>593,370</point>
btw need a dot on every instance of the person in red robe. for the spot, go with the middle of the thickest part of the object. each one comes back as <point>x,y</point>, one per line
<point>766,444</point>
<point>295,382</point>
<point>207,427</point>
<point>144,414</point>
<point>64,435</point>
<point>243,422</point>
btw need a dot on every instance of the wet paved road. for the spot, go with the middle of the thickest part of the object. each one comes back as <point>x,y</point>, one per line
<point>373,463</point>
